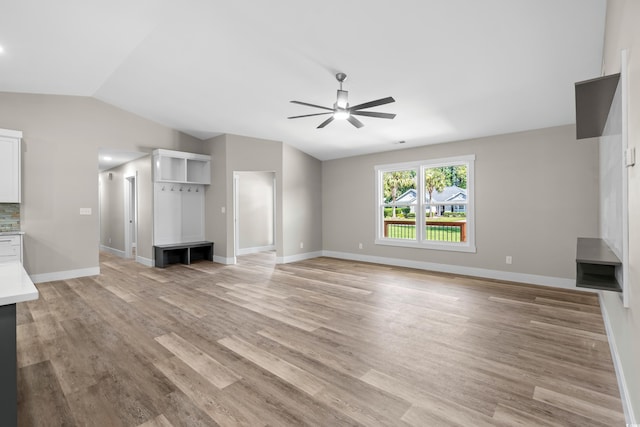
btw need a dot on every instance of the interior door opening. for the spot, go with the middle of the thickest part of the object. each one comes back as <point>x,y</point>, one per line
<point>254,201</point>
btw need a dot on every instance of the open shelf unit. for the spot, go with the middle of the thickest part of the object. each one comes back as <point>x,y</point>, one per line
<point>181,167</point>
<point>596,265</point>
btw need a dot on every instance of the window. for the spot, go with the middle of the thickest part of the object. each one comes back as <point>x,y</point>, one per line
<point>436,193</point>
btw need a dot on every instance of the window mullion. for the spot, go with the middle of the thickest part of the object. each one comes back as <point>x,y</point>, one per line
<point>420,214</point>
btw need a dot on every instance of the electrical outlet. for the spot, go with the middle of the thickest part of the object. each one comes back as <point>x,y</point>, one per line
<point>223,209</point>
<point>359,245</point>
<point>509,259</point>
<point>301,245</point>
<point>85,211</point>
<point>109,240</point>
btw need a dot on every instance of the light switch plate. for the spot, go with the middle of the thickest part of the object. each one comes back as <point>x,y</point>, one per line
<point>85,211</point>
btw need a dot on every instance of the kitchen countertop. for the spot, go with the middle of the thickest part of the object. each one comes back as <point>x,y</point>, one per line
<point>15,284</point>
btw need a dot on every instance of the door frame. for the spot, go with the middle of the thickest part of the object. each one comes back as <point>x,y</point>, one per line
<point>236,211</point>
<point>130,194</point>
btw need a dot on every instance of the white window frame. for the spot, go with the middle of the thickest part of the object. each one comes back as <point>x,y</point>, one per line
<point>420,241</point>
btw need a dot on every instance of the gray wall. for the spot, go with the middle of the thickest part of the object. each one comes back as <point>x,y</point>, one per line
<point>302,214</point>
<point>255,192</point>
<point>251,154</point>
<point>62,135</point>
<point>215,196</point>
<point>535,193</point>
<point>622,32</point>
<point>298,189</point>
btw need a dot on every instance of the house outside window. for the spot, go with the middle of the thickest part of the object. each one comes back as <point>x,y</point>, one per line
<point>437,193</point>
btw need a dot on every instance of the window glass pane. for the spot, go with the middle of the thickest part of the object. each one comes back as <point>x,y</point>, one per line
<point>446,203</point>
<point>399,187</point>
<point>399,204</point>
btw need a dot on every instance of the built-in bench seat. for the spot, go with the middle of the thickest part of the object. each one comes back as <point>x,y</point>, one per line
<point>183,253</point>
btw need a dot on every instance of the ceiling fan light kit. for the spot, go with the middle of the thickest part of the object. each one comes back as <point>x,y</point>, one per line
<point>342,111</point>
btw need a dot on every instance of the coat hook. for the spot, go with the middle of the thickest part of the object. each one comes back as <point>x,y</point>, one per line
<point>180,188</point>
<point>172,188</point>
<point>189,190</point>
<point>197,190</point>
<point>163,188</point>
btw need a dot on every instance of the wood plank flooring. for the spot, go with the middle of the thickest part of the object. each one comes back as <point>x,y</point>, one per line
<point>322,342</point>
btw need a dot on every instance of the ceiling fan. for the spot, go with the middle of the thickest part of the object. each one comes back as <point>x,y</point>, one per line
<point>342,111</point>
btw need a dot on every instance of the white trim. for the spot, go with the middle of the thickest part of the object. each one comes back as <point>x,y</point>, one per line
<point>420,206</point>
<point>627,405</point>
<point>247,251</point>
<point>11,133</point>
<point>624,90</point>
<point>223,260</point>
<point>180,154</point>
<point>236,222</point>
<point>450,246</point>
<point>144,261</point>
<point>65,275</point>
<point>299,257</point>
<point>534,279</point>
<point>130,182</point>
<point>113,251</point>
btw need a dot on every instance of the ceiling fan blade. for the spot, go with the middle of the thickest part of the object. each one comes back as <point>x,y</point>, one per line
<point>375,103</point>
<point>357,123</point>
<point>326,122</point>
<point>309,115</point>
<point>373,114</point>
<point>312,105</point>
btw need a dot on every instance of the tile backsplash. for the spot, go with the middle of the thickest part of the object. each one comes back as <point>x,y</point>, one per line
<point>9,216</point>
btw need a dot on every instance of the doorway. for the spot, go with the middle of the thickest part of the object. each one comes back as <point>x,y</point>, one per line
<point>254,202</point>
<point>130,216</point>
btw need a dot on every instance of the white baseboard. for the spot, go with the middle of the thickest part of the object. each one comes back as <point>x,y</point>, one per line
<point>116,252</point>
<point>223,260</point>
<point>627,405</point>
<point>534,279</point>
<point>65,275</point>
<point>145,261</point>
<point>247,251</point>
<point>298,257</point>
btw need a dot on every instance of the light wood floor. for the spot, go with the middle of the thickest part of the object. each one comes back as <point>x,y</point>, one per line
<point>321,342</point>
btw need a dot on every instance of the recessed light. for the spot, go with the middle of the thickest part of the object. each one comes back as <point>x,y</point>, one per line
<point>1,49</point>
<point>107,158</point>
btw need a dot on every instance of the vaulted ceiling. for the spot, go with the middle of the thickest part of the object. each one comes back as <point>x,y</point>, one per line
<point>457,69</point>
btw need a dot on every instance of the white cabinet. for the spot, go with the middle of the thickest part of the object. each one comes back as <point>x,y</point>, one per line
<point>178,196</point>
<point>10,166</point>
<point>181,167</point>
<point>10,248</point>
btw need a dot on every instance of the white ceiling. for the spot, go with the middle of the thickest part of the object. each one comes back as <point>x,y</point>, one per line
<point>457,69</point>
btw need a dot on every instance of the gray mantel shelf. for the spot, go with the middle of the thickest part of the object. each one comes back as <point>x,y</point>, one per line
<point>596,265</point>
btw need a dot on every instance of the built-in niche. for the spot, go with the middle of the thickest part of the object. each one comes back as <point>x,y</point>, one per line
<point>601,111</point>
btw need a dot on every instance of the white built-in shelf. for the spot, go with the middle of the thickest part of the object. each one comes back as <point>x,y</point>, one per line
<point>181,167</point>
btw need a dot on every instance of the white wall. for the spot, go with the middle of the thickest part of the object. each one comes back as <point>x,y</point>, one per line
<point>623,32</point>
<point>536,192</point>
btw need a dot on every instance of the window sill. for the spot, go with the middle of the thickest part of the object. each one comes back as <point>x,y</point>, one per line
<point>453,247</point>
